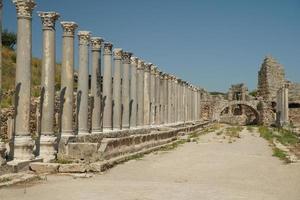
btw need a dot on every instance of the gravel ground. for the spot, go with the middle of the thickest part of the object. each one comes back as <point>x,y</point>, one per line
<point>210,169</point>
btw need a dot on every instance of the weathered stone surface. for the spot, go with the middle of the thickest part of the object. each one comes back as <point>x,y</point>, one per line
<point>44,167</point>
<point>72,168</point>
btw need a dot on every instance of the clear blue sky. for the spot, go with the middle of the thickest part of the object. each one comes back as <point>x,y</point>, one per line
<point>211,43</point>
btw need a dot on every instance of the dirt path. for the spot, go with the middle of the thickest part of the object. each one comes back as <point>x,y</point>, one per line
<point>209,169</point>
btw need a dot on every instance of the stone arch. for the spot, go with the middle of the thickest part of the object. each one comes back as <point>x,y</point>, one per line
<point>222,106</point>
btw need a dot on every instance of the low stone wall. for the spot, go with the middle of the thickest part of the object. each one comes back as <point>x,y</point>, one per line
<point>103,146</point>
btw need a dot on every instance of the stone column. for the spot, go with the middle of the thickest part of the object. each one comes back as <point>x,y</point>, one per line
<point>140,93</point>
<point>48,138</point>
<point>286,103</point>
<point>133,92</point>
<point>107,86</point>
<point>96,43</point>
<point>126,89</point>
<point>166,100</point>
<point>83,82</point>
<point>117,104</point>
<point>23,143</point>
<point>179,100</point>
<point>157,97</point>
<point>67,78</point>
<point>147,91</point>
<point>161,98</point>
<point>152,94</point>
<point>175,100</point>
<point>170,99</point>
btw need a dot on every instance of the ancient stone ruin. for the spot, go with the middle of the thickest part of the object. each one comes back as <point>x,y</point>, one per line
<point>130,107</point>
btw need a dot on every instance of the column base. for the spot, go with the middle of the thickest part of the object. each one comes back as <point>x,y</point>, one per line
<point>2,153</point>
<point>23,148</point>
<point>48,148</point>
<point>67,133</point>
<point>83,132</point>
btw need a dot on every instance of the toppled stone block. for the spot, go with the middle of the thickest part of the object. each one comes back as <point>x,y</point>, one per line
<point>72,168</point>
<point>44,167</point>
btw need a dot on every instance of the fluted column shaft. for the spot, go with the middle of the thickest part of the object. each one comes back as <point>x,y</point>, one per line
<point>157,97</point>
<point>161,99</point>
<point>133,92</point>
<point>83,82</point>
<point>147,91</point>
<point>96,43</point>
<point>23,142</point>
<point>166,100</point>
<point>107,86</point>
<point>140,93</point>
<point>152,94</point>
<point>67,78</point>
<point>48,139</point>
<point>126,89</point>
<point>117,104</point>
<point>170,99</point>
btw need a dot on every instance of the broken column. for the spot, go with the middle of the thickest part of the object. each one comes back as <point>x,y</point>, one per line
<point>140,93</point>
<point>83,82</point>
<point>67,78</point>
<point>126,89</point>
<point>107,86</point>
<point>96,43</point>
<point>23,142</point>
<point>48,139</point>
<point>147,91</point>
<point>133,92</point>
<point>117,104</point>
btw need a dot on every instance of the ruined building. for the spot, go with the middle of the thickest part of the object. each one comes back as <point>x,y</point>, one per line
<point>271,77</point>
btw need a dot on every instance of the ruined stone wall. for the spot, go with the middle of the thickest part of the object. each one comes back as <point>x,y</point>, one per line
<point>271,77</point>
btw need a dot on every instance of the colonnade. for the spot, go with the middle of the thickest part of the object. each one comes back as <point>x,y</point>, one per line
<point>130,93</point>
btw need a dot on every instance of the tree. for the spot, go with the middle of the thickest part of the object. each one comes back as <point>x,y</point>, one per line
<point>9,39</point>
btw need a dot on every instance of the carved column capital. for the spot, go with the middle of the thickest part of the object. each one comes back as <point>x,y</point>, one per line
<point>153,69</point>
<point>96,43</point>
<point>84,37</point>
<point>24,8</point>
<point>134,60</point>
<point>141,65</point>
<point>118,53</point>
<point>68,28</point>
<point>107,47</point>
<point>147,67</point>
<point>48,19</point>
<point>126,57</point>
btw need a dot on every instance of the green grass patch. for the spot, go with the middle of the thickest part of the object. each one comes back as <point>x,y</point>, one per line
<point>266,133</point>
<point>5,179</point>
<point>280,154</point>
<point>233,132</point>
<point>172,146</point>
<point>63,161</point>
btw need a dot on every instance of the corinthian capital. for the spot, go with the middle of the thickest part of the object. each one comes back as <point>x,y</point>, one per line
<point>153,69</point>
<point>84,37</point>
<point>134,60</point>
<point>141,64</point>
<point>108,48</point>
<point>96,43</point>
<point>118,53</point>
<point>126,57</point>
<point>68,28</point>
<point>24,8</point>
<point>48,19</point>
<point>148,67</point>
